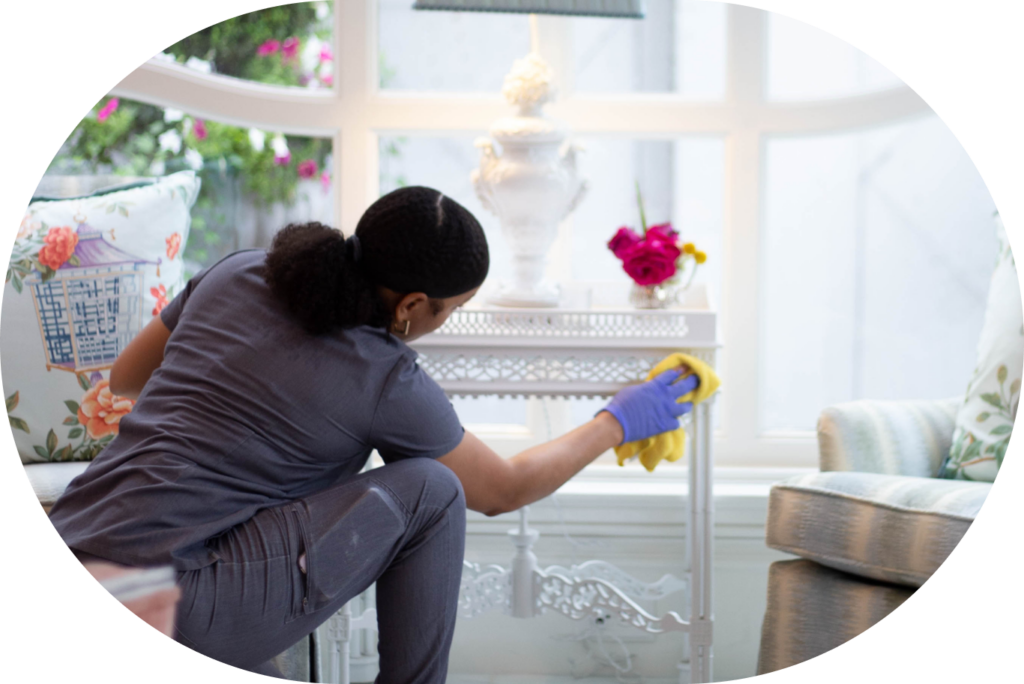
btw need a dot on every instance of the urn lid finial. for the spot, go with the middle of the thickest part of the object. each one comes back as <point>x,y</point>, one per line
<point>529,85</point>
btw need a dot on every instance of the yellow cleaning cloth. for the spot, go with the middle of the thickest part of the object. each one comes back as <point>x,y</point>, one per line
<point>671,445</point>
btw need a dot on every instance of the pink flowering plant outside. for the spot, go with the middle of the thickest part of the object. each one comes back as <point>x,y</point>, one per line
<point>656,256</point>
<point>288,45</point>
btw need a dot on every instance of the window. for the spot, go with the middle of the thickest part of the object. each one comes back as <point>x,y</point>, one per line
<point>849,242</point>
<point>881,221</point>
<point>290,45</point>
<point>837,69</point>
<point>253,181</point>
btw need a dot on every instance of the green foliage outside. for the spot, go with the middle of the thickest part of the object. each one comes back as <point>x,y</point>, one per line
<point>135,139</point>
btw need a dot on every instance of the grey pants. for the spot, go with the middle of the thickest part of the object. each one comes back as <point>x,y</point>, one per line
<point>402,526</point>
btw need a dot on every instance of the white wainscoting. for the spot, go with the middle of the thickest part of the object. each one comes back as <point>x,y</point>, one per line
<point>636,520</point>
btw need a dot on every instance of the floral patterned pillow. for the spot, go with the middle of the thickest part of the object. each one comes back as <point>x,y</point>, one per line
<point>86,275</point>
<point>985,420</point>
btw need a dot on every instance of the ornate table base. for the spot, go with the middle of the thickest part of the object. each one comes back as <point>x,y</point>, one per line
<point>596,589</point>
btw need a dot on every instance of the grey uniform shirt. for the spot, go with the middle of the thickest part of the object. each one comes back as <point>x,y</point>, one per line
<point>246,411</point>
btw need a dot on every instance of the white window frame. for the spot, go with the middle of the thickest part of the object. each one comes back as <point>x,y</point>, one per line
<point>356,112</point>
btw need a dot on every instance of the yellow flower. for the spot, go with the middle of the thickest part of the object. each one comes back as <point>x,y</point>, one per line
<point>688,248</point>
<point>700,257</point>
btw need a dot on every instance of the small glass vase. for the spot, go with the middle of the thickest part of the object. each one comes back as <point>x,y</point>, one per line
<point>651,296</point>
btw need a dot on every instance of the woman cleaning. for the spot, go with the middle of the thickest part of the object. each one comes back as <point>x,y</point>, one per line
<point>262,389</point>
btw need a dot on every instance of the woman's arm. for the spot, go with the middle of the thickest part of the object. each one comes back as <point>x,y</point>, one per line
<point>496,485</point>
<point>140,358</point>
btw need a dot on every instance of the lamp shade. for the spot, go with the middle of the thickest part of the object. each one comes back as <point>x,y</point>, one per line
<point>625,9</point>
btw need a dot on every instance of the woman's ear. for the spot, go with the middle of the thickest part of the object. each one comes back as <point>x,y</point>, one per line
<point>412,302</point>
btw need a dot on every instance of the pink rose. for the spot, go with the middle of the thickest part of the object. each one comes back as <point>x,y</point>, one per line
<point>622,240</point>
<point>307,168</point>
<point>650,262</point>
<point>325,54</point>
<point>283,159</point>
<point>327,79</point>
<point>325,181</point>
<point>200,129</point>
<point>268,48</point>
<point>665,231</point>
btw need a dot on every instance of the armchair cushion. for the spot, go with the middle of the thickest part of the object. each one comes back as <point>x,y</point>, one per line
<point>891,528</point>
<point>86,274</point>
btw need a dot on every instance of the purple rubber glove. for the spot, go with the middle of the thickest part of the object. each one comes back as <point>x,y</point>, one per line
<point>650,408</point>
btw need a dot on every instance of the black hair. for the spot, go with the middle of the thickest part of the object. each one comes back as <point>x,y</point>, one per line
<point>414,239</point>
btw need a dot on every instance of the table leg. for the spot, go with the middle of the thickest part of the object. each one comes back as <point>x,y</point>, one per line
<point>701,523</point>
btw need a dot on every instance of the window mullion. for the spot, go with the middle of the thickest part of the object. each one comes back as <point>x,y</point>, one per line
<point>354,156</point>
<point>740,309</point>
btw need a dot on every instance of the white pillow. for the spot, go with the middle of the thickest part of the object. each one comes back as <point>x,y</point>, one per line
<point>985,420</point>
<point>86,275</point>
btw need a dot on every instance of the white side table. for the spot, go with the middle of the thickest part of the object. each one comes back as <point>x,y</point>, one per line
<point>594,346</point>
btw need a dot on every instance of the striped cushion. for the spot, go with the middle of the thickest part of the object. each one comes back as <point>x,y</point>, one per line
<point>891,437</point>
<point>813,609</point>
<point>888,527</point>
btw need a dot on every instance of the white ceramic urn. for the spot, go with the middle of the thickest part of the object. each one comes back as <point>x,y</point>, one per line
<point>529,182</point>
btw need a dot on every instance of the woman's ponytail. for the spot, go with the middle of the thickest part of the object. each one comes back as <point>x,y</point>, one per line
<point>316,272</point>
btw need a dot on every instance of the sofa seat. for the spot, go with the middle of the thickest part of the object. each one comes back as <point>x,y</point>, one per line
<point>49,480</point>
<point>892,528</point>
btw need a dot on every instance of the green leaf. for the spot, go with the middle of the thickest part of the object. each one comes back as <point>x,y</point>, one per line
<point>1002,430</point>
<point>1001,374</point>
<point>107,439</point>
<point>993,399</point>
<point>75,433</point>
<point>71,420</point>
<point>16,282</point>
<point>640,203</point>
<point>971,452</point>
<point>121,210</point>
<point>1015,387</point>
<point>51,441</point>
<point>72,406</point>
<point>110,208</point>
<point>18,424</point>
<point>12,402</point>
<point>66,453</point>
<point>42,452</point>
<point>74,260</point>
<point>84,382</point>
<point>983,416</point>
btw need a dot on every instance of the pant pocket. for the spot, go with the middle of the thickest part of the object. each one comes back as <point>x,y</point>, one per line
<point>300,583</point>
<point>348,544</point>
